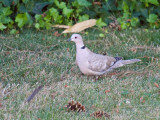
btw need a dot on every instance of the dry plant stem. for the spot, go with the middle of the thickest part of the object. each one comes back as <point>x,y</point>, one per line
<point>8,47</point>
<point>134,49</point>
<point>34,93</point>
<point>124,73</point>
<point>61,26</point>
<point>25,51</point>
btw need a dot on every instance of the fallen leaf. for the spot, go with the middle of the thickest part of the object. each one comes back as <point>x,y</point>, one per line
<point>157,49</point>
<point>44,14</point>
<point>97,3</point>
<point>56,34</point>
<point>119,28</point>
<point>156,85</point>
<point>132,91</point>
<point>134,50</point>
<point>53,95</point>
<point>66,86</point>
<point>107,91</point>
<point>117,109</point>
<point>67,49</point>
<point>80,26</point>
<point>61,26</point>
<point>143,101</point>
<point>141,98</point>
<point>0,105</point>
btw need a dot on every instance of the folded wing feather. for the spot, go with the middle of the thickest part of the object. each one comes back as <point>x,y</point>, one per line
<point>100,63</point>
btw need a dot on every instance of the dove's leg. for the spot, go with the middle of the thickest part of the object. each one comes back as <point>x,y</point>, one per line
<point>97,77</point>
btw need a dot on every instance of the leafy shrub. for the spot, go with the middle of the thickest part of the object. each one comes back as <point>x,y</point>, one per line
<point>139,12</point>
<point>5,20</point>
<point>45,13</point>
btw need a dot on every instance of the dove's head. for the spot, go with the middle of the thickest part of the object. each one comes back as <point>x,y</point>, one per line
<point>76,38</point>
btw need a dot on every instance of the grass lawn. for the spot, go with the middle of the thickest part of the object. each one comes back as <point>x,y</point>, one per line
<point>34,58</point>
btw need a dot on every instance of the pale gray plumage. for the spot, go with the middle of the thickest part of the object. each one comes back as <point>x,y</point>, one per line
<point>95,64</point>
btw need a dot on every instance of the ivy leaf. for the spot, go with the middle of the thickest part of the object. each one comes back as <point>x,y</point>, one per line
<point>6,20</point>
<point>37,26</point>
<point>124,25</point>
<point>75,4</point>
<point>38,17</point>
<point>7,11</point>
<point>25,1</point>
<point>83,17</point>
<point>39,7</point>
<point>62,5</point>
<point>10,25</point>
<point>29,19</point>
<point>144,12</point>
<point>22,8</point>
<point>21,19</point>
<point>125,7</point>
<point>41,23</point>
<point>13,31</point>
<point>53,12</point>
<point>47,18</point>
<point>84,3</point>
<point>154,2</point>
<point>101,35</point>
<point>126,15</point>
<point>152,18</point>
<point>67,12</point>
<point>134,22</point>
<point>48,25</point>
<point>6,2</point>
<point>100,23</point>
<point>2,27</point>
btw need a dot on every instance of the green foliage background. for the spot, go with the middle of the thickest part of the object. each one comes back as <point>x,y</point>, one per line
<point>45,13</point>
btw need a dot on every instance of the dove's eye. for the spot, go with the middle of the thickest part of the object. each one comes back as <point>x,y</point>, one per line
<point>75,37</point>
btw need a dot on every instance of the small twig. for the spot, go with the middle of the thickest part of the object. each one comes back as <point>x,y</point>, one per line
<point>16,71</point>
<point>146,67</point>
<point>2,37</point>
<point>8,47</point>
<point>34,93</point>
<point>124,73</point>
<point>134,49</point>
<point>25,51</point>
<point>136,106</point>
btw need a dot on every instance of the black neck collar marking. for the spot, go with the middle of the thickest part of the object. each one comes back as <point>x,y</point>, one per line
<point>83,47</point>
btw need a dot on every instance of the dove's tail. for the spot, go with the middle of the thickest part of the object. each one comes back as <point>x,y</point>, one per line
<point>121,63</point>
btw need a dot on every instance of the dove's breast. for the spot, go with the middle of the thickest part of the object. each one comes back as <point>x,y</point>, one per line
<point>82,61</point>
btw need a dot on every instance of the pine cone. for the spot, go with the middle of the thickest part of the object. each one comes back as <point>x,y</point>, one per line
<point>75,106</point>
<point>100,114</point>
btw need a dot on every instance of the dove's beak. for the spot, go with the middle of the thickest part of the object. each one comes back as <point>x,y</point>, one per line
<point>69,40</point>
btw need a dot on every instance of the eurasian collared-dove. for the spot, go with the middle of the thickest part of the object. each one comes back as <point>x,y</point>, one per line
<point>91,63</point>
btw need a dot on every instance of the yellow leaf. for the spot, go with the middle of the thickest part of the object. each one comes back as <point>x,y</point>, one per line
<point>80,26</point>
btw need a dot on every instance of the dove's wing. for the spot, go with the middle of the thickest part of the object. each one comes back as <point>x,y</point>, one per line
<point>100,63</point>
